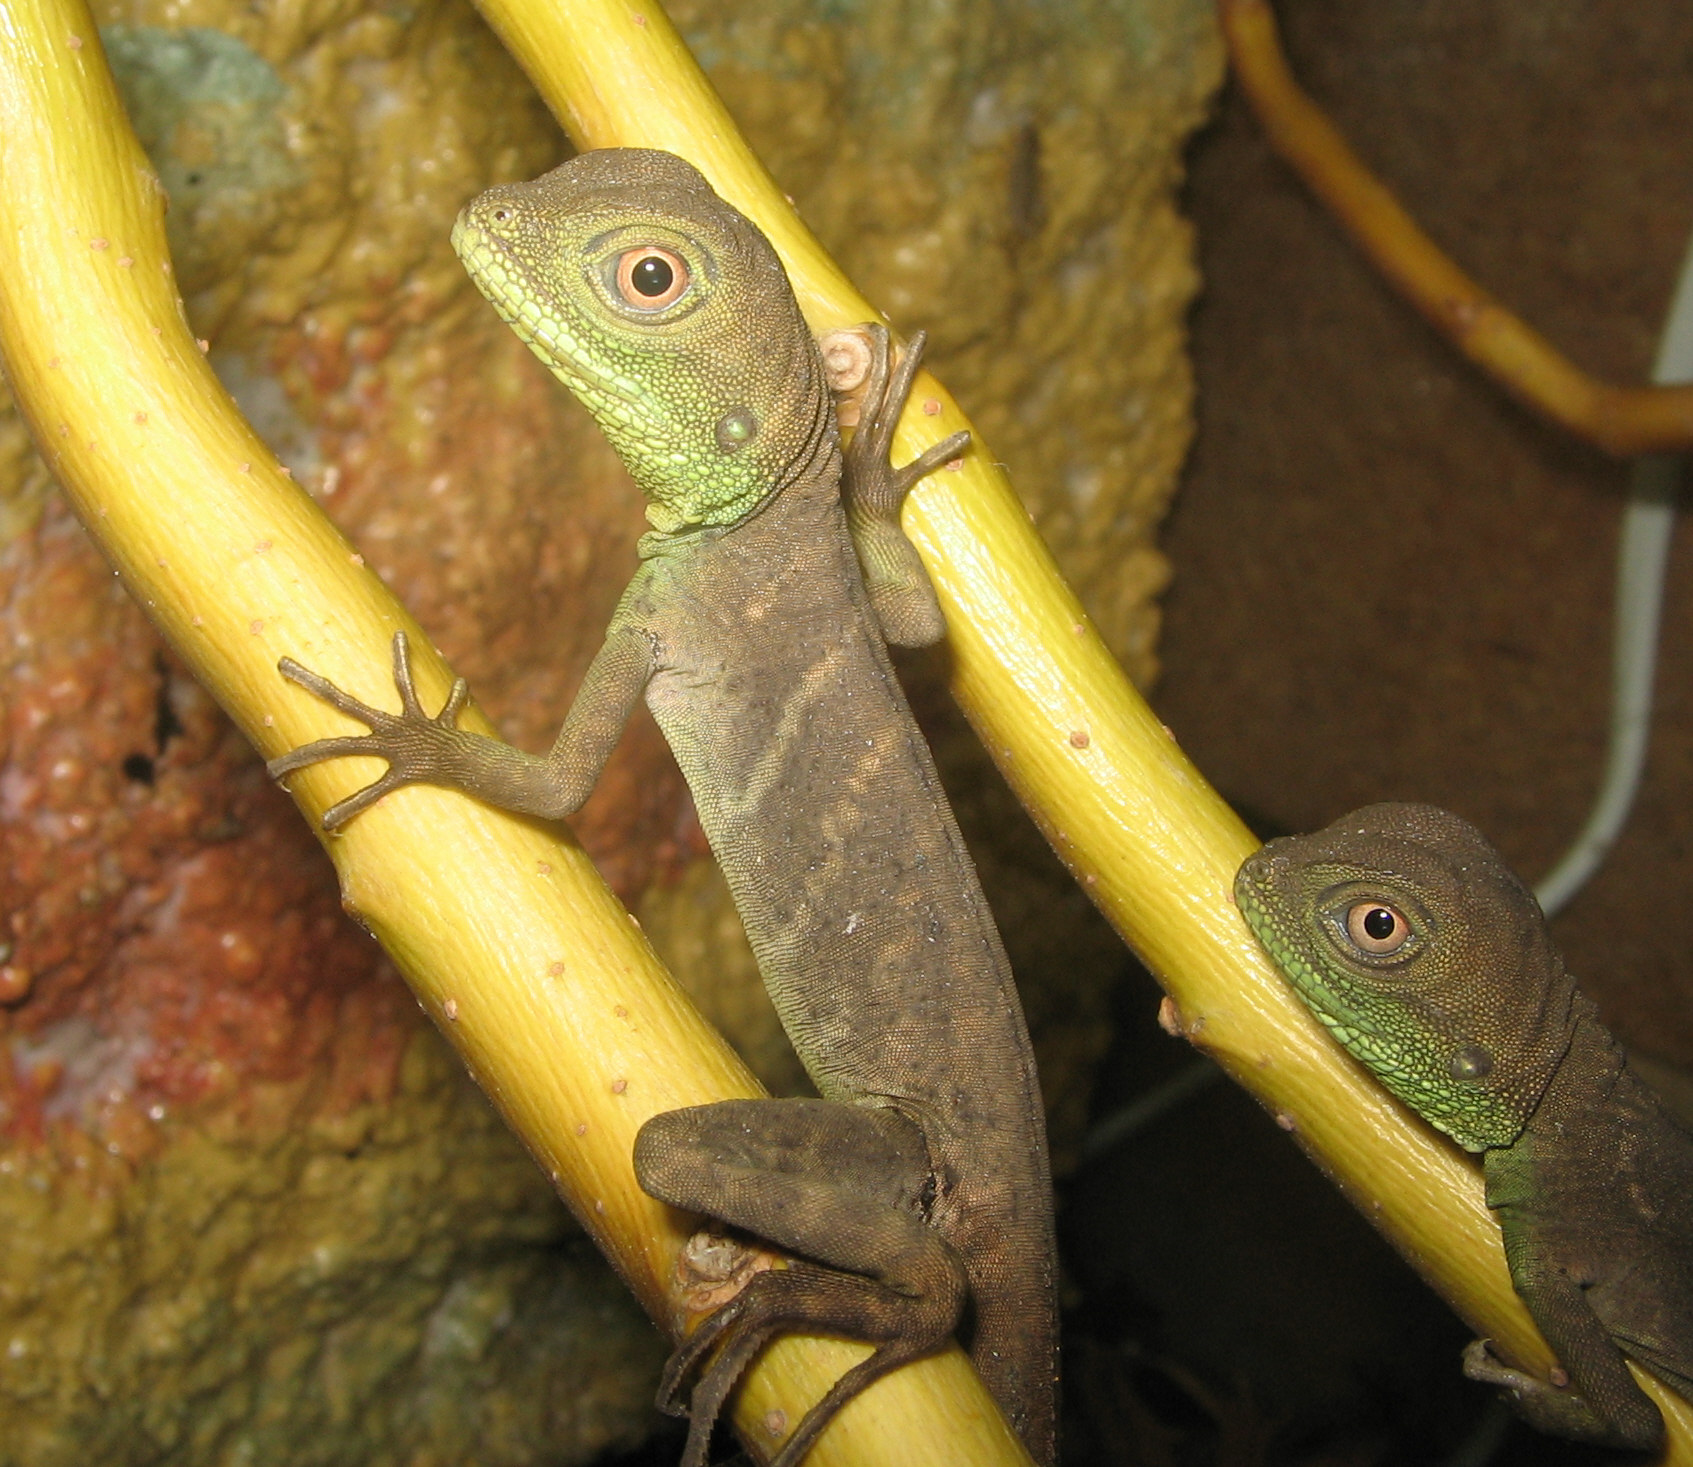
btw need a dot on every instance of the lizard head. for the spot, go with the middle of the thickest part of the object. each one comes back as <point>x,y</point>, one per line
<point>1404,931</point>
<point>669,315</point>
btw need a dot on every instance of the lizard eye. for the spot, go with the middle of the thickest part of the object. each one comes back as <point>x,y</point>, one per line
<point>1377,928</point>
<point>649,279</point>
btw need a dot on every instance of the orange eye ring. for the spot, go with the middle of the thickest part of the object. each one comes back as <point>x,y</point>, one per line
<point>1377,928</point>
<point>650,278</point>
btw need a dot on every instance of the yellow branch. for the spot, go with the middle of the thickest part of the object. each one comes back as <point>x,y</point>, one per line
<point>1620,420</point>
<point>1150,840</point>
<point>531,968</point>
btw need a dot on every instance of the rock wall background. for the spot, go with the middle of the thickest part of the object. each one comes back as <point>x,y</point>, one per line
<point>255,1213</point>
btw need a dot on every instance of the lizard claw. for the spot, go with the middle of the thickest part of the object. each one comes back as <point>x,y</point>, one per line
<point>885,394</point>
<point>672,1383</point>
<point>775,1302</point>
<point>342,811</point>
<point>712,1389</point>
<point>410,705</point>
<point>411,741</point>
<point>321,687</point>
<point>873,489</point>
<point>931,459</point>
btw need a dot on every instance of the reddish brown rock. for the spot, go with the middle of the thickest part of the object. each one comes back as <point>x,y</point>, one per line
<point>260,1214</point>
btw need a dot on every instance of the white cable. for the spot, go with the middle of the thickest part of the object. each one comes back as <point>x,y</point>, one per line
<point>1642,552</point>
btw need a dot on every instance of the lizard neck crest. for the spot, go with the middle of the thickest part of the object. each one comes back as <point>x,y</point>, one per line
<point>1406,934</point>
<point>634,283</point>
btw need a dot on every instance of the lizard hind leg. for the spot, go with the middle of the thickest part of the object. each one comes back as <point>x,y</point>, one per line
<point>839,1185</point>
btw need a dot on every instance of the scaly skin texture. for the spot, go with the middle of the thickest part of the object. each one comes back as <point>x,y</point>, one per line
<point>920,1180</point>
<point>1425,956</point>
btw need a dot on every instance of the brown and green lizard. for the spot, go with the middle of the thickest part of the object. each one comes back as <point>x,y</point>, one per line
<point>919,1182</point>
<point>1426,957</point>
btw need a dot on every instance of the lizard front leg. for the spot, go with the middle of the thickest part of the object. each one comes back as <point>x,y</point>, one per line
<point>1592,1399</point>
<point>843,1187</point>
<point>873,491</point>
<point>425,749</point>
<point>1596,1399</point>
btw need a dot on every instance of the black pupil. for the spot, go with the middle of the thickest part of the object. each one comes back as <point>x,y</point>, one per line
<point>652,276</point>
<point>1379,924</point>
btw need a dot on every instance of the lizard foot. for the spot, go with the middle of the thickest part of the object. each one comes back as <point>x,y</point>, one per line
<point>416,745</point>
<point>805,1298</point>
<point>876,483</point>
<point>874,490</point>
<point>1552,1406</point>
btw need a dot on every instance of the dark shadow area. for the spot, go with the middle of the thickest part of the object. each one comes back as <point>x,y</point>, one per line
<point>1390,582</point>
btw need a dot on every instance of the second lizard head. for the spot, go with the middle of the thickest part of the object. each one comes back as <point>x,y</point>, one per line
<point>669,315</point>
<point>1405,932</point>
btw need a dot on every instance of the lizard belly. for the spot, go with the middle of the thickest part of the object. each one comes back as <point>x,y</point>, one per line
<point>857,895</point>
<point>821,802</point>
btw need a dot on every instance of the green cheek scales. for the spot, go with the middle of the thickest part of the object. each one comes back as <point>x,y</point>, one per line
<point>1381,1032</point>
<point>647,400</point>
<point>1469,1016</point>
<point>545,334</point>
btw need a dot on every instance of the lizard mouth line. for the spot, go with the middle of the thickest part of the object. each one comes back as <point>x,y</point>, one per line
<point>1345,1020</point>
<point>501,275</point>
